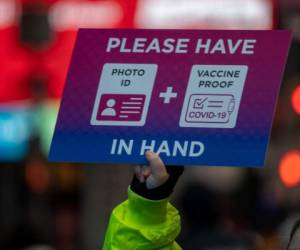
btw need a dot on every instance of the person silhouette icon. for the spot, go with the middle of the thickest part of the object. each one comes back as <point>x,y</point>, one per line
<point>109,111</point>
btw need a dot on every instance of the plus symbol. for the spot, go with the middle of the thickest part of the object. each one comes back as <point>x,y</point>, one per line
<point>168,95</point>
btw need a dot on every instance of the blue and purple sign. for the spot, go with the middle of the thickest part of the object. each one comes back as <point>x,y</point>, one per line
<point>196,97</point>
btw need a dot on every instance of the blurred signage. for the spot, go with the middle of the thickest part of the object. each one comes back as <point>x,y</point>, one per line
<point>70,15</point>
<point>214,14</point>
<point>193,97</point>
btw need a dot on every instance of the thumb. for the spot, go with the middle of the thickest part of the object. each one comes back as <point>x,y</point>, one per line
<point>156,164</point>
<point>159,174</point>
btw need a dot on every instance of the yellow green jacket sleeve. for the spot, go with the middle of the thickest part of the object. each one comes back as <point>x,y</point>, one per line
<point>142,224</point>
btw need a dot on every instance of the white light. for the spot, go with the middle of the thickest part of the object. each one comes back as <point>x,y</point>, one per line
<point>8,13</point>
<point>230,14</point>
<point>71,15</point>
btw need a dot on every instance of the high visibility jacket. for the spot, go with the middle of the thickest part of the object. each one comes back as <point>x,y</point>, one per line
<point>142,224</point>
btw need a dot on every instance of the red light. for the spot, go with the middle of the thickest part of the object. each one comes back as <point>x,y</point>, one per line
<point>296,100</point>
<point>289,168</point>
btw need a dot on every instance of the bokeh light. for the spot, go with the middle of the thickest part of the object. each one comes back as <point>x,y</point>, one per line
<point>289,168</point>
<point>295,99</point>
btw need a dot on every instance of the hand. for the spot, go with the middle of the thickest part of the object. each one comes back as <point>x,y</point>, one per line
<point>153,175</point>
<point>156,181</point>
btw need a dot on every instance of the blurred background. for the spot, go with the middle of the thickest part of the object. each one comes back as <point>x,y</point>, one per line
<point>67,206</point>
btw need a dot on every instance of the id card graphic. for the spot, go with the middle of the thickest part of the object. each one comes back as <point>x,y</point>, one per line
<point>114,107</point>
<point>213,96</point>
<point>124,94</point>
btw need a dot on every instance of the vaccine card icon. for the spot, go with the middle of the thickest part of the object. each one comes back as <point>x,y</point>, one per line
<point>208,108</point>
<point>213,96</point>
<point>124,94</point>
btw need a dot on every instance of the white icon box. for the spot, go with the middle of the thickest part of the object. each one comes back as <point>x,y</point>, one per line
<point>124,94</point>
<point>213,96</point>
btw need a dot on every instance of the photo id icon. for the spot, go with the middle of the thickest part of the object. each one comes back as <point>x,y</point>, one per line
<point>120,104</point>
<point>114,107</point>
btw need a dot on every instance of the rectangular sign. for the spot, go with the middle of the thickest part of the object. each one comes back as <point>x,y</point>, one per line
<point>196,97</point>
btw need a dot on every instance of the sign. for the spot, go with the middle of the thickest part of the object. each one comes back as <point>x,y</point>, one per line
<point>195,97</point>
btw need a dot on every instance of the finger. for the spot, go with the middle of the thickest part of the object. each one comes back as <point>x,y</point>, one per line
<point>142,178</point>
<point>139,174</point>
<point>156,164</point>
<point>146,171</point>
<point>137,170</point>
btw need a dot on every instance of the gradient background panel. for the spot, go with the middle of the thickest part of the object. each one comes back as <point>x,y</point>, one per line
<point>75,140</point>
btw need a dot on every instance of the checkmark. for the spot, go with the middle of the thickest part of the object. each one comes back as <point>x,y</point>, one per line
<point>199,103</point>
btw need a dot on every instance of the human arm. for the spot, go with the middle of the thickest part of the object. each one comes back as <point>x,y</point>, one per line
<point>146,220</point>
